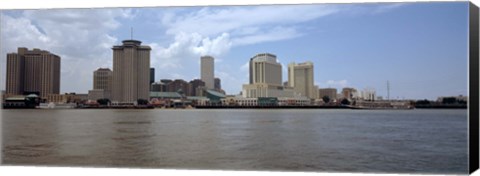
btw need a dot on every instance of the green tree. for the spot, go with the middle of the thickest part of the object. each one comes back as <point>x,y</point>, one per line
<point>326,99</point>
<point>103,101</point>
<point>422,102</point>
<point>449,100</point>
<point>345,102</point>
<point>142,102</point>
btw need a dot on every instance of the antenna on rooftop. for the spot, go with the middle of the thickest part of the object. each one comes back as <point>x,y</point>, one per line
<point>388,90</point>
<point>131,33</point>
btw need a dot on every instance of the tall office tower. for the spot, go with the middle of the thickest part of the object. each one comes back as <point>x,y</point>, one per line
<point>266,69</point>
<point>33,71</point>
<point>102,79</point>
<point>266,78</point>
<point>207,71</point>
<point>131,71</point>
<point>15,73</point>
<point>152,75</point>
<point>218,84</point>
<point>300,77</point>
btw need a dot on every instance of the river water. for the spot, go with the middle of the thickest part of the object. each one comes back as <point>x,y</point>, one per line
<point>381,141</point>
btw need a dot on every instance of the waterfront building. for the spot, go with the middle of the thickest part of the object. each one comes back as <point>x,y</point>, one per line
<point>267,90</point>
<point>21,101</point>
<point>329,92</point>
<point>96,94</point>
<point>157,87</point>
<point>266,78</point>
<point>300,77</point>
<point>207,71</point>
<point>368,94</point>
<point>349,93</point>
<point>131,76</point>
<point>177,85</point>
<point>164,99</point>
<point>81,97</point>
<point>214,97</point>
<point>195,86</point>
<point>31,71</point>
<point>63,98</point>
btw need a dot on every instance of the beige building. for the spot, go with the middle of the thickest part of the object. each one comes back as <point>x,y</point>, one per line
<point>349,93</point>
<point>266,69</point>
<point>102,80</point>
<point>266,78</point>
<point>329,92</point>
<point>96,94</point>
<point>368,94</point>
<point>33,71</point>
<point>300,77</point>
<point>62,98</point>
<point>266,90</point>
<point>207,71</point>
<point>131,71</point>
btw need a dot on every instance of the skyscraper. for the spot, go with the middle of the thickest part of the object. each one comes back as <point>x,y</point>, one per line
<point>266,69</point>
<point>300,77</point>
<point>207,71</point>
<point>131,71</point>
<point>266,78</point>
<point>33,71</point>
<point>218,84</point>
<point>152,75</point>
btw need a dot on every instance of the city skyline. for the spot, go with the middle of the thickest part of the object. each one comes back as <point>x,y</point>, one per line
<point>350,44</point>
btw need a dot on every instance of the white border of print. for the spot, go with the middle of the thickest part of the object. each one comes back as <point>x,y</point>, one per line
<point>48,4</point>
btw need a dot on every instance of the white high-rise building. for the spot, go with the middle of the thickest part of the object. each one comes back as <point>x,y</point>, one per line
<point>131,72</point>
<point>300,77</point>
<point>368,94</point>
<point>207,71</point>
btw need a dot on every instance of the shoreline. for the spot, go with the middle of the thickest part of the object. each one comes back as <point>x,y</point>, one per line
<point>264,107</point>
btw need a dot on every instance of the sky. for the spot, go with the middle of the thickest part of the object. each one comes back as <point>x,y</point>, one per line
<point>421,49</point>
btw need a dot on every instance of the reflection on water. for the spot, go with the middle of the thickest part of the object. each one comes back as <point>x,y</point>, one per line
<point>423,141</point>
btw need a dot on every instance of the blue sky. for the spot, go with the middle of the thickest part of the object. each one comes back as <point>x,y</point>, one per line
<point>420,48</point>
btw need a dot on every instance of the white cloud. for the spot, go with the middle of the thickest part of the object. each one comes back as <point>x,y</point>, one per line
<point>387,7</point>
<point>79,36</point>
<point>214,31</point>
<point>83,37</point>
<point>212,21</point>
<point>275,34</point>
<point>337,83</point>
<point>245,67</point>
